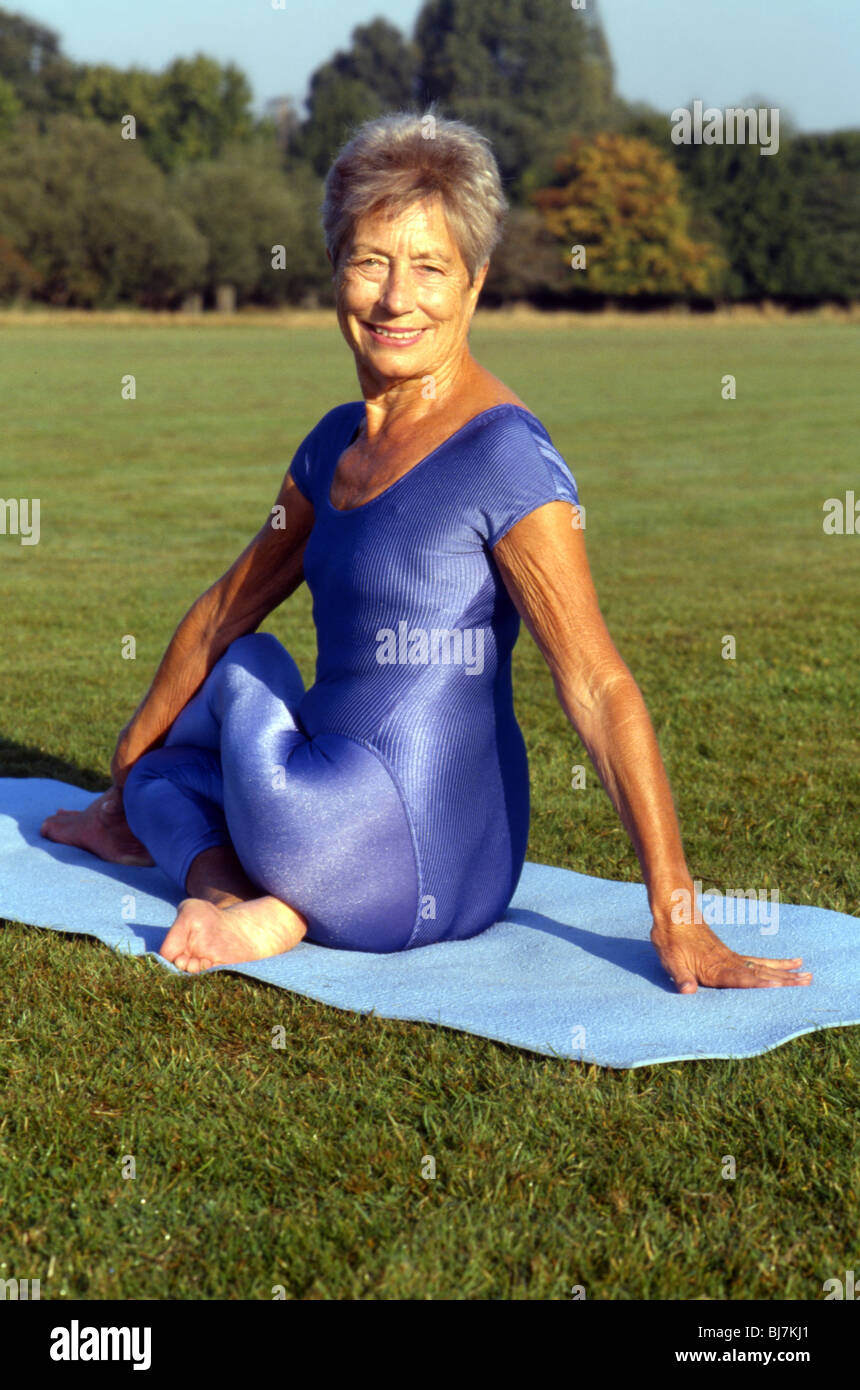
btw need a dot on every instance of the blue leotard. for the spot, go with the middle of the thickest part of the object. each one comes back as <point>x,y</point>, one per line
<point>389,803</point>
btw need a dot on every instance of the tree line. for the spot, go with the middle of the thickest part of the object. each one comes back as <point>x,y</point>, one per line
<point>131,186</point>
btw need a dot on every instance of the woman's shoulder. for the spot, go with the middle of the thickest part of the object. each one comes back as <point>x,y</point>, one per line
<point>338,418</point>
<point>510,468</point>
<point>499,411</point>
<point>507,422</point>
<point>332,432</point>
<point>510,449</point>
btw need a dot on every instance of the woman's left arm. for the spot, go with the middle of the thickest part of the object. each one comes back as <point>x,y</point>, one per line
<point>543,563</point>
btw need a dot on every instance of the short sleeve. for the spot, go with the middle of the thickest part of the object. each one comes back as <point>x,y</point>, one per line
<point>519,470</point>
<point>328,437</point>
<point>299,469</point>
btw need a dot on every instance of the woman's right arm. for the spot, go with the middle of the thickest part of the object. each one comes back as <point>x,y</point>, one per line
<point>266,573</point>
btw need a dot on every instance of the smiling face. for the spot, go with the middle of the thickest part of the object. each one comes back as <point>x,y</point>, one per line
<point>404,301</point>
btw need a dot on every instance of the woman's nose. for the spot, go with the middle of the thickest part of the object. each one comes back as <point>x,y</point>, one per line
<point>398,293</point>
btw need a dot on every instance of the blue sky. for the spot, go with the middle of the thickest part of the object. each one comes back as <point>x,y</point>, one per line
<point>802,55</point>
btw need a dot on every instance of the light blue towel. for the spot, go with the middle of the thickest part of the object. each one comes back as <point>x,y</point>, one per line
<point>571,971</point>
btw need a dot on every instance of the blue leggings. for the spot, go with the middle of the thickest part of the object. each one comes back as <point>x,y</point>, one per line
<point>318,823</point>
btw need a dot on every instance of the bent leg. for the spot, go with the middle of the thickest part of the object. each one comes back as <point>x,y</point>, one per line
<point>174,796</point>
<point>317,822</point>
<point>251,664</point>
<point>173,801</point>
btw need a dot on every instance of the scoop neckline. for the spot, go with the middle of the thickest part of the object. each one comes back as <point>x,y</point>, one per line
<point>345,511</point>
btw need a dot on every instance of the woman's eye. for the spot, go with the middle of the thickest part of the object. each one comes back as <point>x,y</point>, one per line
<point>374,263</point>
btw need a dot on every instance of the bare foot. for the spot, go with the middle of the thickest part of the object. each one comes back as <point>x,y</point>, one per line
<point>102,829</point>
<point>205,934</point>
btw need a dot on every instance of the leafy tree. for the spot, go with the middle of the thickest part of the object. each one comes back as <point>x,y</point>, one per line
<point>245,207</point>
<point>191,111</point>
<point>826,169</point>
<point>91,215</point>
<point>528,73</point>
<point>377,73</point>
<point>18,278</point>
<point>526,264</point>
<point>757,205</point>
<point>338,104</point>
<point>107,94</point>
<point>754,201</point>
<point>787,224</point>
<point>31,62</point>
<point>10,107</point>
<point>383,60</point>
<point>620,199</point>
<point>203,107</point>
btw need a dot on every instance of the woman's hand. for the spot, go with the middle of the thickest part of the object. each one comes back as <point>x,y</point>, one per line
<point>693,955</point>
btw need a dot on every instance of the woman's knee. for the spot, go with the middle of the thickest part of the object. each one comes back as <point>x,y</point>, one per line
<point>145,770</point>
<point>137,790</point>
<point>254,649</point>
<point>261,656</point>
<point>189,768</point>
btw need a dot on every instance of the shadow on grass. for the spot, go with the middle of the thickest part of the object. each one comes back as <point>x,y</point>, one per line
<point>22,760</point>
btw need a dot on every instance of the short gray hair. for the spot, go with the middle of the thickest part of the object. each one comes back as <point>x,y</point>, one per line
<point>398,159</point>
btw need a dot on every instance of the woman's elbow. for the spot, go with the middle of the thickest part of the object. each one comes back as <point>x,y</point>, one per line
<point>584,690</point>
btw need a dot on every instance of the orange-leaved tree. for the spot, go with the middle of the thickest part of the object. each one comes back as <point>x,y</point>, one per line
<point>620,200</point>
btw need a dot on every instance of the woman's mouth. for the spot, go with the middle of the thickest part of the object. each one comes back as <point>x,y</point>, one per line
<point>393,337</point>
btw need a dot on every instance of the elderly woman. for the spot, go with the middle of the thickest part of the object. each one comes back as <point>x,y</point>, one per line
<point>387,806</point>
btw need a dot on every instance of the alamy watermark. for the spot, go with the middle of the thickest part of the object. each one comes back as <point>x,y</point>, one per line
<point>23,1289</point>
<point>19,516</point>
<point>835,1288</point>
<point>436,646</point>
<point>736,125</point>
<point>76,1343</point>
<point>841,518</point>
<point>741,906</point>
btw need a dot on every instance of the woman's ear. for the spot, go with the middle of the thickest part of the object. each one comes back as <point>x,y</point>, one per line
<point>478,282</point>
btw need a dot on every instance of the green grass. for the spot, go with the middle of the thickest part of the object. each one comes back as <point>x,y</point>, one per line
<point>302,1166</point>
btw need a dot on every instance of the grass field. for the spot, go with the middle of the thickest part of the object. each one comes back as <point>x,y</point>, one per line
<point>302,1167</point>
